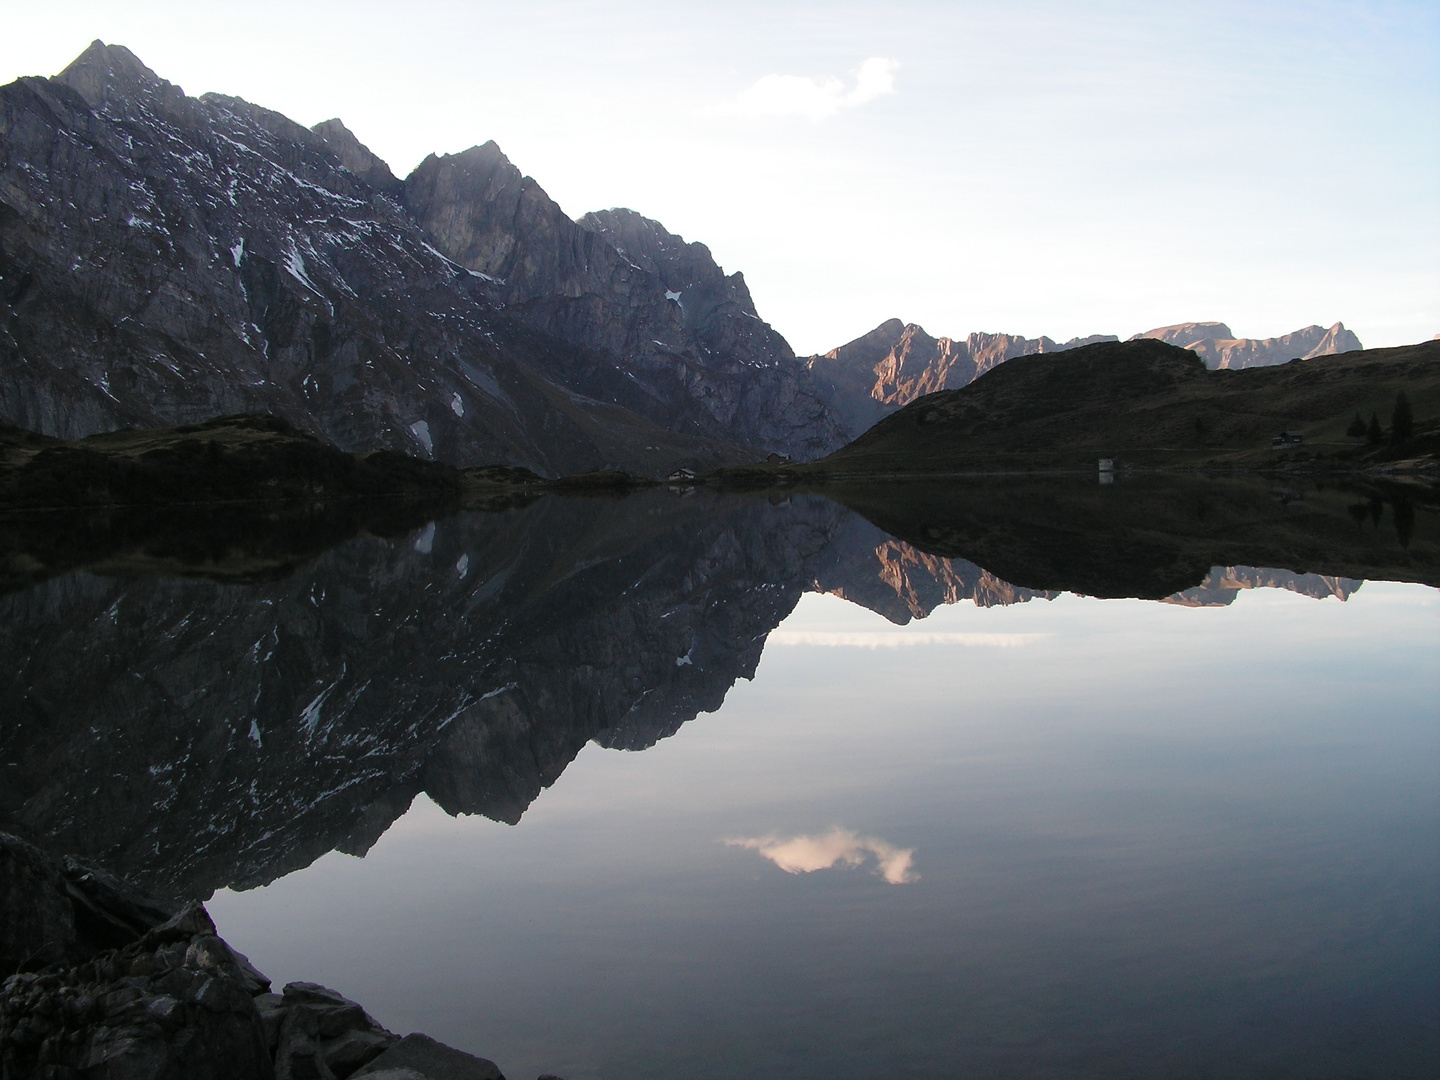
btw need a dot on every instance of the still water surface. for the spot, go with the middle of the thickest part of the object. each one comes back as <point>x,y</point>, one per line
<point>1070,837</point>
<point>705,787</point>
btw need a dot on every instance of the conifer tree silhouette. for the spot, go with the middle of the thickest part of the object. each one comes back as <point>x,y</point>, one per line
<point>1402,420</point>
<point>1373,434</point>
<point>1356,430</point>
<point>1404,520</point>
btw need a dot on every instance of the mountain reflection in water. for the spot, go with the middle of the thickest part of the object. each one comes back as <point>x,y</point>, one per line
<point>194,734</point>
<point>202,714</point>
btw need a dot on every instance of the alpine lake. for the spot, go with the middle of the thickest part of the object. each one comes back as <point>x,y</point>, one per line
<point>988,777</point>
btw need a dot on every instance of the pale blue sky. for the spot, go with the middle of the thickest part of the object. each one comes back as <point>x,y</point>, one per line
<point>1045,167</point>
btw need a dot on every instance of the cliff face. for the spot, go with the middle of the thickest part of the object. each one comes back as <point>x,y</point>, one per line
<point>166,259</point>
<point>658,326</point>
<point>1218,346</point>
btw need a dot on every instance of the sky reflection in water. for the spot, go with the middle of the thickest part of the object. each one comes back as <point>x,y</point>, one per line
<point>1139,840</point>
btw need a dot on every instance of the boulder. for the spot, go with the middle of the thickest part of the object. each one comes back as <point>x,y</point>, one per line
<point>322,1033</point>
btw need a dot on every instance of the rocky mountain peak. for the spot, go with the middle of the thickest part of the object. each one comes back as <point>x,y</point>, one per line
<point>709,299</point>
<point>871,347</point>
<point>663,329</point>
<point>648,244</point>
<point>107,75</point>
<point>1187,334</point>
<point>357,157</point>
<point>475,203</point>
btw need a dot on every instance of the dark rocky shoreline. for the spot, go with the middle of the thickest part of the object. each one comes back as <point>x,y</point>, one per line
<point>106,982</point>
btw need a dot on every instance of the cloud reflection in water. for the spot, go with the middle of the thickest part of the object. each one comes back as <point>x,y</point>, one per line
<point>806,854</point>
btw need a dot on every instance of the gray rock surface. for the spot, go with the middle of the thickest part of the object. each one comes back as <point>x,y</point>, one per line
<point>314,1031</point>
<point>167,259</point>
<point>658,327</point>
<point>176,1004</point>
<point>57,912</point>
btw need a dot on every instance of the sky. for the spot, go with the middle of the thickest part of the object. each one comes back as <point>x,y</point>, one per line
<point>1058,168</point>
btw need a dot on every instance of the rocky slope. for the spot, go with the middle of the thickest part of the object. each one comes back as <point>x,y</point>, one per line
<point>871,377</point>
<point>658,327</point>
<point>102,980</point>
<point>167,259</point>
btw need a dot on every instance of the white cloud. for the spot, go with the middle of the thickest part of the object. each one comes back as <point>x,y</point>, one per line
<point>806,854</point>
<point>896,639</point>
<point>815,99</point>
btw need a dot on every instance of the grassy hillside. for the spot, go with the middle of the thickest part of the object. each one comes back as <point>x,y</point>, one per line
<point>233,458</point>
<point>1145,403</point>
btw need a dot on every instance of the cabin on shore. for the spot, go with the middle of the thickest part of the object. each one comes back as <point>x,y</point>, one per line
<point>1287,439</point>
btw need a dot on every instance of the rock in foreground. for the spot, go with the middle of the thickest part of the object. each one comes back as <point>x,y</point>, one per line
<point>96,993</point>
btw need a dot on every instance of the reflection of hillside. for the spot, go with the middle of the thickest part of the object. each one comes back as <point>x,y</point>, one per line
<point>1224,583</point>
<point>1153,536</point>
<point>900,582</point>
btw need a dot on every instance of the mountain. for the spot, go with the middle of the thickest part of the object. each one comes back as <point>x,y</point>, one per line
<point>869,378</point>
<point>1220,348</point>
<point>1145,402</point>
<point>872,376</point>
<point>167,259</point>
<point>657,326</point>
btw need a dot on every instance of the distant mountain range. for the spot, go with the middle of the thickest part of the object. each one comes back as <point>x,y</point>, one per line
<point>867,379</point>
<point>1148,403</point>
<point>1220,348</point>
<point>167,259</point>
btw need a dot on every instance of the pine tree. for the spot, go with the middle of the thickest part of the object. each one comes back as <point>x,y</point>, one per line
<point>1373,434</point>
<point>1356,430</point>
<point>1402,420</point>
